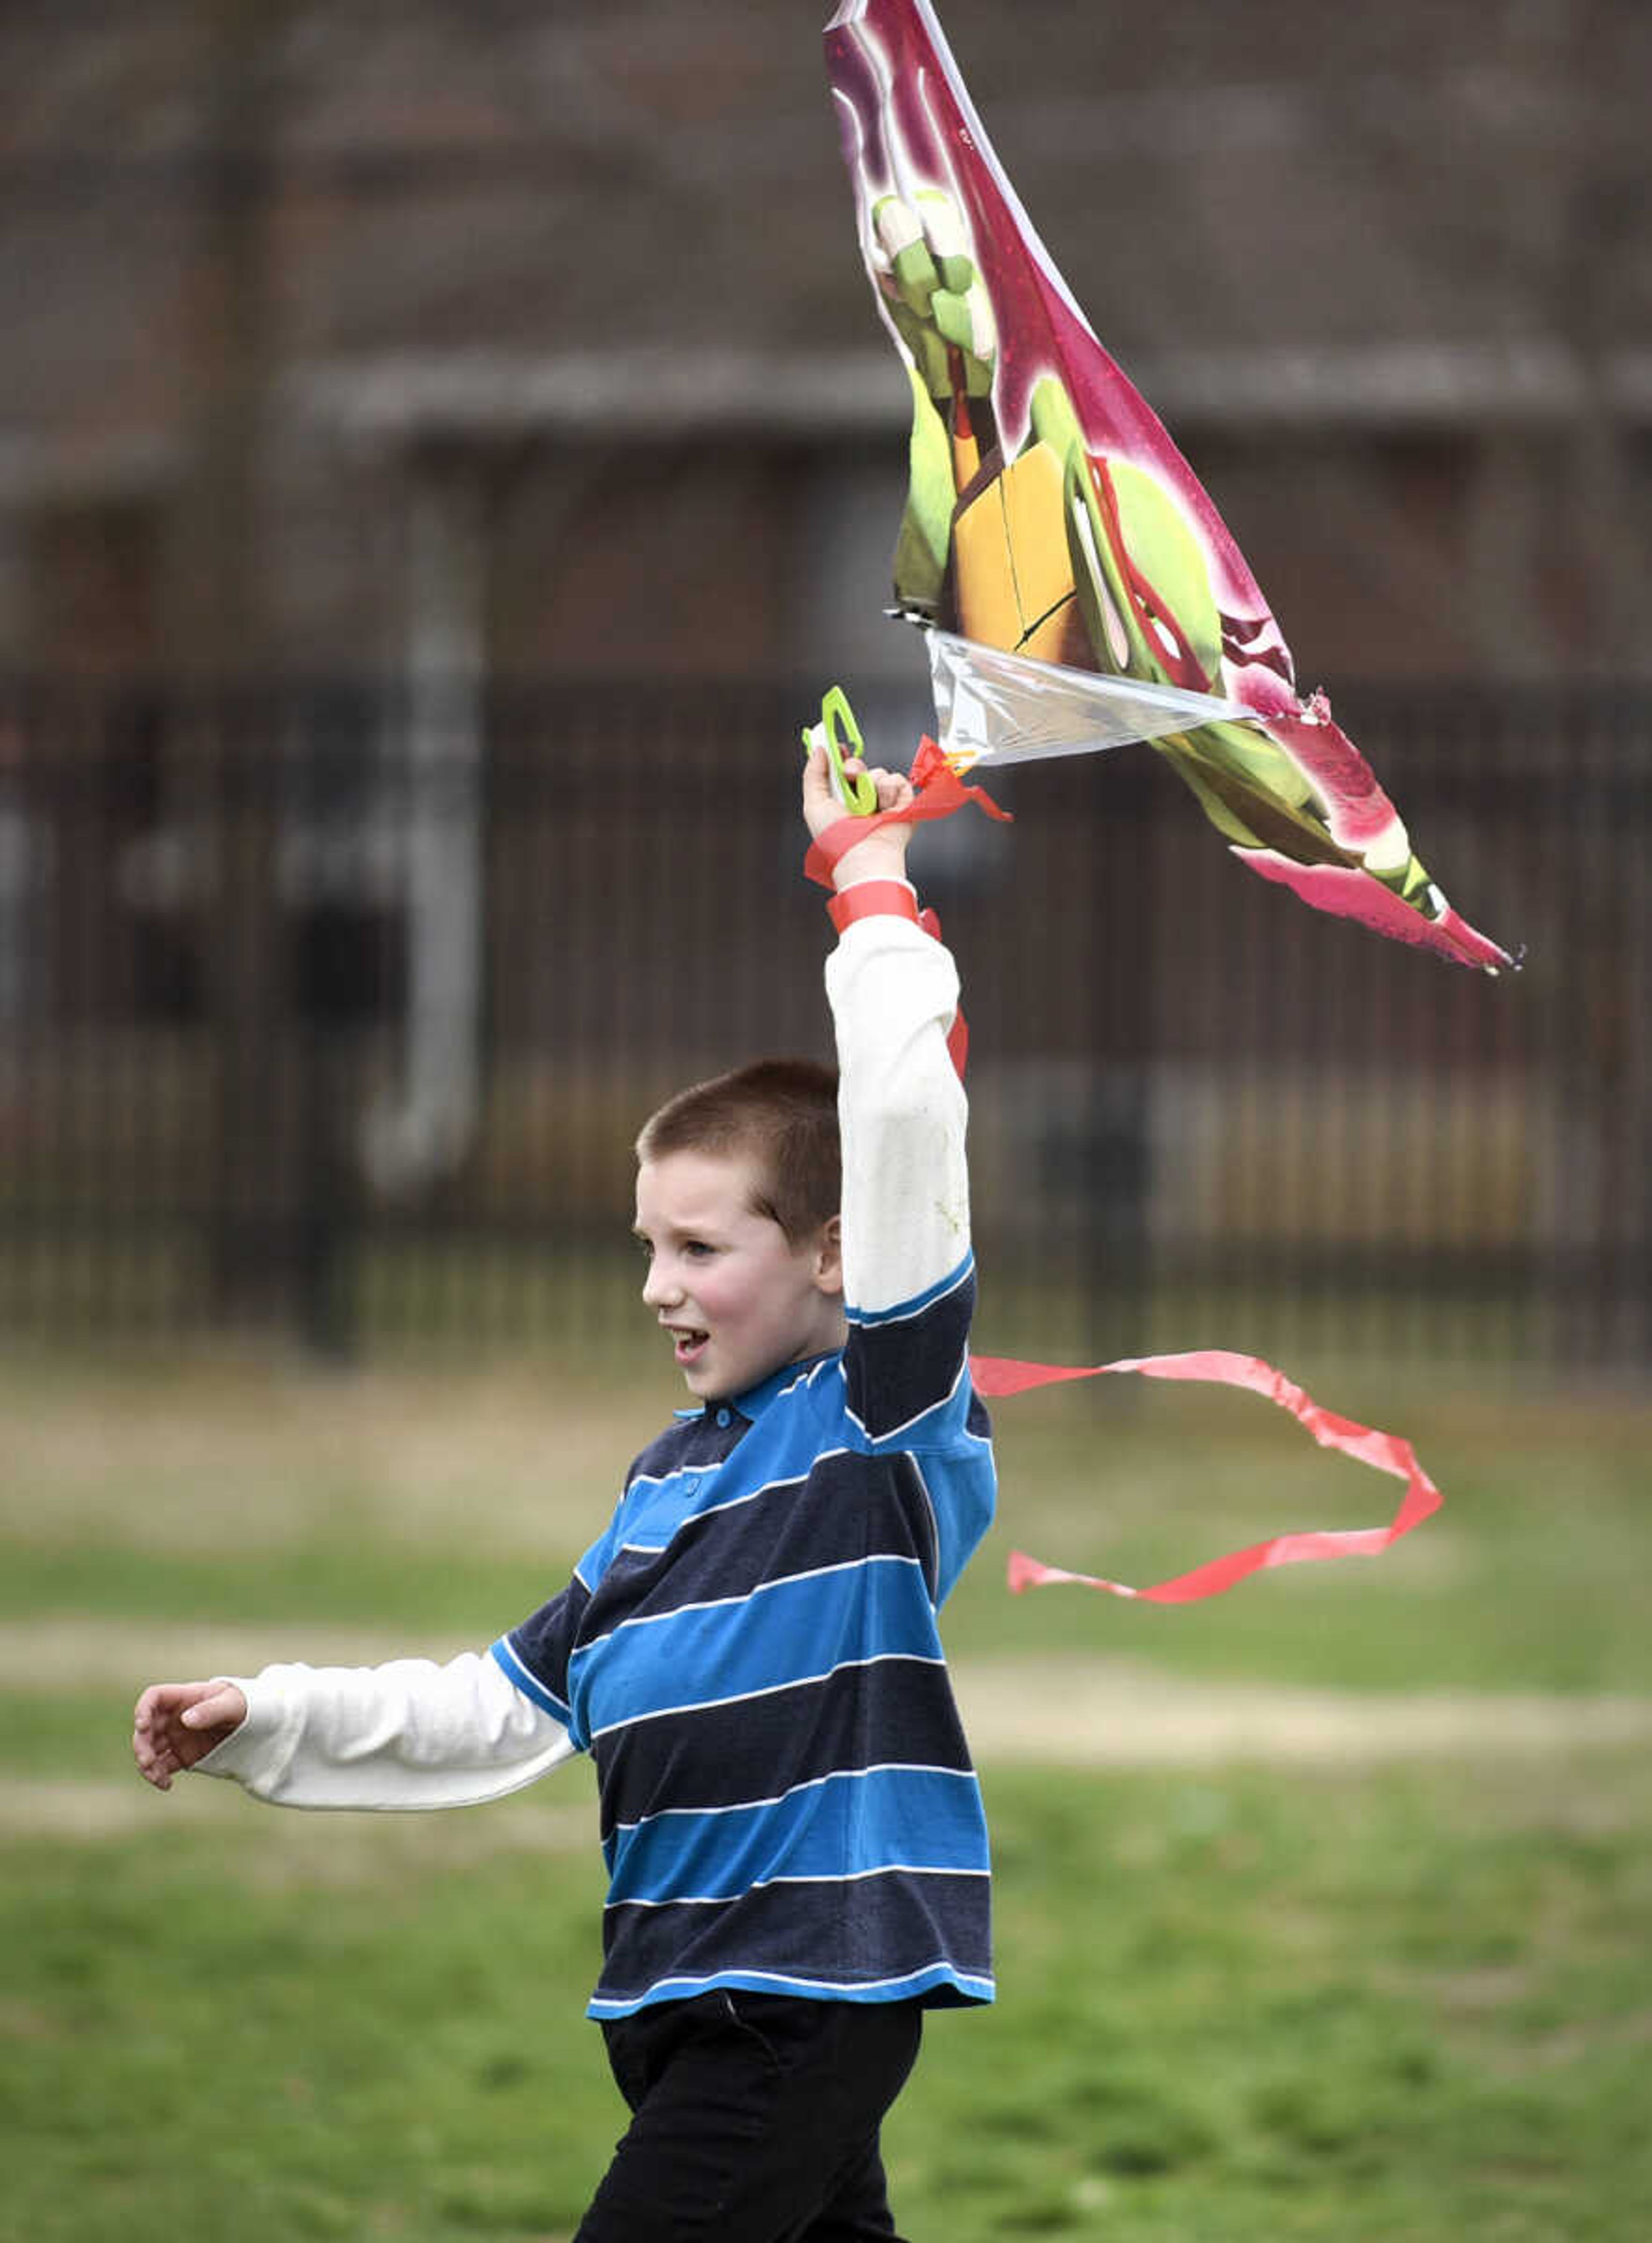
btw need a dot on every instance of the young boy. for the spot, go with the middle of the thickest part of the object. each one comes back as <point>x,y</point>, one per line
<point>794,1832</point>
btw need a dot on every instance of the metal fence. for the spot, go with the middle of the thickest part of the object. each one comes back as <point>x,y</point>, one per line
<point>335,1008</point>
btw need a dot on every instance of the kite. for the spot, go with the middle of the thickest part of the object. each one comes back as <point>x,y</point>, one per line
<point>1078,590</point>
<point>1076,585</point>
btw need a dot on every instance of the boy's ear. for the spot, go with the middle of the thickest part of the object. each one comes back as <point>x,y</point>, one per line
<point>828,1257</point>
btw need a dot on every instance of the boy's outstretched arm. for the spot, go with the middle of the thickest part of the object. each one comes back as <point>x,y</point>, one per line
<point>408,1735</point>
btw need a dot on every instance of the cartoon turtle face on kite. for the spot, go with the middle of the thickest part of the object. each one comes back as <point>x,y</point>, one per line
<point>1050,521</point>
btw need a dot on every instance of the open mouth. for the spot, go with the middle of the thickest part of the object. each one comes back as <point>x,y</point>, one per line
<point>688,1346</point>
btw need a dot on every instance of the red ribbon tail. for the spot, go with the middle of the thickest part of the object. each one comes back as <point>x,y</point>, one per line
<point>995,1376</point>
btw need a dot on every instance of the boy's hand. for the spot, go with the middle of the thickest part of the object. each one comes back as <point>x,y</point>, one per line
<point>175,1724</point>
<point>882,856</point>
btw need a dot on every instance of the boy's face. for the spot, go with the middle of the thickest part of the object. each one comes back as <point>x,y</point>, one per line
<point>737,1297</point>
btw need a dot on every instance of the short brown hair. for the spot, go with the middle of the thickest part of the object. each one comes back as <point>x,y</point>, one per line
<point>780,1114</point>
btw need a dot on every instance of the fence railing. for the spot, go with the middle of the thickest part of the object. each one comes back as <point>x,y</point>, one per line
<point>334,1009</point>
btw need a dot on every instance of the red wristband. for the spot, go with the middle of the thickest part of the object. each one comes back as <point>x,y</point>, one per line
<point>872,899</point>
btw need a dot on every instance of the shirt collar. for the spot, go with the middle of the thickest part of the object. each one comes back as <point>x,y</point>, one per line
<point>755,1400</point>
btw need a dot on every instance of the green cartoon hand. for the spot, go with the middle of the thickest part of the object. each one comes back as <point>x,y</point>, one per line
<point>938,305</point>
<point>933,291</point>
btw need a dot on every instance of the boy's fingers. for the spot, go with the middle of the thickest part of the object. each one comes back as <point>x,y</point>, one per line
<point>894,789</point>
<point>816,785</point>
<point>153,1766</point>
<point>158,1703</point>
<point>225,1706</point>
<point>191,1705</point>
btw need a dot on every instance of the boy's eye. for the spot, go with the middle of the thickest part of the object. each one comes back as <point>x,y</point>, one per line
<point>697,1249</point>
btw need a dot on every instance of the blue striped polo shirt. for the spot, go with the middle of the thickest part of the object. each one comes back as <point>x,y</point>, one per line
<point>751,1654</point>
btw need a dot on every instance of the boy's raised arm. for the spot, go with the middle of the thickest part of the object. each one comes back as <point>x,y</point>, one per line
<point>894,995</point>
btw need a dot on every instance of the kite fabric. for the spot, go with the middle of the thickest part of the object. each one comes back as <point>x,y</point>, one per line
<point>1078,585</point>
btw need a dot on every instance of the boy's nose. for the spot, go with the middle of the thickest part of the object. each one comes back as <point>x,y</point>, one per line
<point>659,1286</point>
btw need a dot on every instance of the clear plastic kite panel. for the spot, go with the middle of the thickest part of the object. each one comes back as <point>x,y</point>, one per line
<point>1006,708</point>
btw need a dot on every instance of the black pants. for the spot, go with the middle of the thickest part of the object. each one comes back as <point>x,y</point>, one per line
<point>755,2120</point>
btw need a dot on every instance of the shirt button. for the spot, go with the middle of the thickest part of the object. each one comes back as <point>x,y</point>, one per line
<point>723,1416</point>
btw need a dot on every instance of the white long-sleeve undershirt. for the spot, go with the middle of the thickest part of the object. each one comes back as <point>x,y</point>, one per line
<point>406,1735</point>
<point>902,1112</point>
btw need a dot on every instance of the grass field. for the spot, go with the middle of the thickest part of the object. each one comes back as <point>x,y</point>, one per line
<point>1322,1909</point>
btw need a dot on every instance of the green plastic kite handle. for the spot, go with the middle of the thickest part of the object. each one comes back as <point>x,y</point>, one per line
<point>857,795</point>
